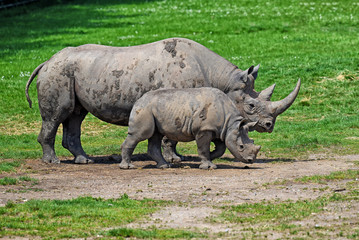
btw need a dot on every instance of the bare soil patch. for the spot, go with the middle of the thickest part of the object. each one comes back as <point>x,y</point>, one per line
<point>196,191</point>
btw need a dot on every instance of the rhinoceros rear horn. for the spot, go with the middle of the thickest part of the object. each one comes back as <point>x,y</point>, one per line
<point>266,94</point>
<point>279,107</point>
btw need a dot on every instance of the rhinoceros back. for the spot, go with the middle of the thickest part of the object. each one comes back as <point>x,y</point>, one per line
<point>108,80</point>
<point>180,113</point>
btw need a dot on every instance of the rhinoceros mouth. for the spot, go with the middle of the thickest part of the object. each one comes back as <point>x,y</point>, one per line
<point>262,129</point>
<point>248,160</point>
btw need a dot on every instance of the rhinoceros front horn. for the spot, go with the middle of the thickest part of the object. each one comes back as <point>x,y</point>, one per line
<point>279,107</point>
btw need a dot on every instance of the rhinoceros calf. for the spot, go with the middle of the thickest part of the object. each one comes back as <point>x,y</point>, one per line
<point>201,114</point>
<point>107,81</point>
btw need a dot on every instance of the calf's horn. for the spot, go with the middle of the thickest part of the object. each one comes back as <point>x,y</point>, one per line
<point>279,107</point>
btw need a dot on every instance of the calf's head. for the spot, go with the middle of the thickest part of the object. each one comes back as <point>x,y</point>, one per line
<point>240,145</point>
<point>256,106</point>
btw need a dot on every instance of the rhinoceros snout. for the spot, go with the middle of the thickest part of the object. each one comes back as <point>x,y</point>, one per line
<point>268,125</point>
<point>265,126</point>
<point>253,155</point>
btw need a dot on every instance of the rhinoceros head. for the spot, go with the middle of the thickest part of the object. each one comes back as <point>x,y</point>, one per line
<point>257,106</point>
<point>240,145</point>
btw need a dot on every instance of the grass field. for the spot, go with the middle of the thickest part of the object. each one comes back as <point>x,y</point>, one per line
<point>312,40</point>
<point>317,41</point>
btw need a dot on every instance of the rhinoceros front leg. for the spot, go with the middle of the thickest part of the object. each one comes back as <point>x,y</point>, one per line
<point>72,135</point>
<point>154,150</point>
<point>47,140</point>
<point>220,148</point>
<point>169,151</point>
<point>203,140</point>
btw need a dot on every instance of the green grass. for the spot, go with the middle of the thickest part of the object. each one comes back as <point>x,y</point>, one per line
<point>8,181</point>
<point>322,179</point>
<point>76,218</point>
<point>9,166</point>
<point>153,233</point>
<point>260,219</point>
<point>15,181</point>
<point>312,40</point>
<point>278,213</point>
<point>338,175</point>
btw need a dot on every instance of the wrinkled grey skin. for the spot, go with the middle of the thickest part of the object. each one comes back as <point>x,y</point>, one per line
<point>204,115</point>
<point>107,81</point>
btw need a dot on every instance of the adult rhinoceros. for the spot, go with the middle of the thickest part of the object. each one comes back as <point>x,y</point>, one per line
<point>107,81</point>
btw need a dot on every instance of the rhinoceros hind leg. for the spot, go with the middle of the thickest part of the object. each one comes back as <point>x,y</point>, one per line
<point>47,140</point>
<point>127,148</point>
<point>82,159</point>
<point>72,135</point>
<point>169,151</point>
<point>154,150</point>
<point>126,158</point>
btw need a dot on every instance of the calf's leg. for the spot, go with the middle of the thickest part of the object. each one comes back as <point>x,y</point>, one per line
<point>154,150</point>
<point>169,151</point>
<point>138,130</point>
<point>127,149</point>
<point>203,140</point>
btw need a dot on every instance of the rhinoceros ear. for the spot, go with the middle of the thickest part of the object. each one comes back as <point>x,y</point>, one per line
<point>250,69</point>
<point>254,73</point>
<point>246,125</point>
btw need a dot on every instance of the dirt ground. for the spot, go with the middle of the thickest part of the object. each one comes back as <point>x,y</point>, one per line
<point>197,190</point>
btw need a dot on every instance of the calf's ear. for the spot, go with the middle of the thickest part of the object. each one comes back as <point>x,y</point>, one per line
<point>246,124</point>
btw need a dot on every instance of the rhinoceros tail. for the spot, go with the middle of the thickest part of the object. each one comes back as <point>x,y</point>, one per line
<point>33,75</point>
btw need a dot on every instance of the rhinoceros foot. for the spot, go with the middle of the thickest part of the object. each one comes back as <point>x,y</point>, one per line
<point>169,151</point>
<point>126,165</point>
<point>208,165</point>
<point>83,160</point>
<point>173,158</point>
<point>163,165</point>
<point>49,159</point>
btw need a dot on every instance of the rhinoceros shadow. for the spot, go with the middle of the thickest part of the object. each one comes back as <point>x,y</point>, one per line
<point>187,162</point>
<point>112,159</point>
<point>275,160</point>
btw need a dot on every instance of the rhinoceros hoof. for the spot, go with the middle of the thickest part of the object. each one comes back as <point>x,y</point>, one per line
<point>172,158</point>
<point>208,166</point>
<point>127,166</point>
<point>50,160</point>
<point>83,160</point>
<point>163,166</point>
